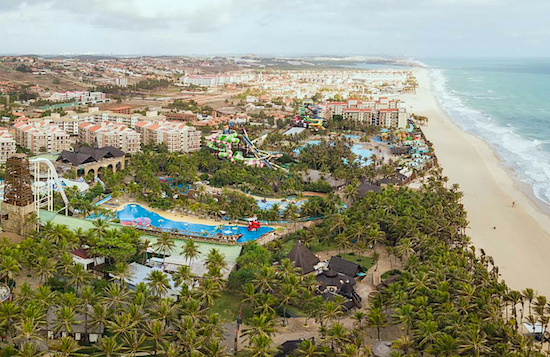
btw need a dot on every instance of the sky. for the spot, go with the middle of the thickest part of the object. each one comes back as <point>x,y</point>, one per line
<point>409,28</point>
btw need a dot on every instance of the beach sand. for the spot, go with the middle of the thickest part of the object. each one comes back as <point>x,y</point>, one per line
<point>520,244</point>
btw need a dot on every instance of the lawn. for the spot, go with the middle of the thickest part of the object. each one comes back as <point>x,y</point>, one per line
<point>317,246</point>
<point>228,305</point>
<point>364,261</point>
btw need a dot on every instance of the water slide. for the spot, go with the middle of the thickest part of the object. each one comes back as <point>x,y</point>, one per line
<point>56,179</point>
<point>223,143</point>
<point>97,179</point>
<point>311,115</point>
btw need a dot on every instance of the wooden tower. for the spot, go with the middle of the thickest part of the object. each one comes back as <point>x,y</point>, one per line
<point>18,202</point>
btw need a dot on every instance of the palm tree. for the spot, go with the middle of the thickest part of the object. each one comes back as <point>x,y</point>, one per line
<point>444,345</point>
<point>29,349</point>
<point>190,251</point>
<point>66,347</point>
<point>376,318</point>
<point>182,275</point>
<point>165,244</point>
<point>159,282</point>
<point>215,349</point>
<point>9,314</point>
<point>9,267</point>
<point>260,346</point>
<point>78,275</point>
<point>133,342</point>
<point>45,268</point>
<point>107,347</point>
<point>28,331</point>
<point>65,319</point>
<point>288,294</point>
<point>530,295</point>
<point>121,272</point>
<point>259,326</point>
<point>308,348</point>
<point>405,315</point>
<point>100,227</point>
<point>215,259</point>
<point>158,332</point>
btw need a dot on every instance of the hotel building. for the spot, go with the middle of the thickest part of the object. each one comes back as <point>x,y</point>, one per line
<point>110,134</point>
<point>384,112</point>
<point>41,137</point>
<point>177,137</point>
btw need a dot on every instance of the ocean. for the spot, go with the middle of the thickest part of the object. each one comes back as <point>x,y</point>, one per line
<point>507,104</point>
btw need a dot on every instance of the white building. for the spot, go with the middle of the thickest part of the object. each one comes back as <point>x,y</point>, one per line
<point>7,145</point>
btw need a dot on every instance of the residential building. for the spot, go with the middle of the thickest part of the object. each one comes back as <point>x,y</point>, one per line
<point>382,112</point>
<point>124,109</point>
<point>81,96</point>
<point>94,115</point>
<point>41,137</point>
<point>109,134</point>
<point>121,82</point>
<point>68,124</point>
<point>177,137</point>
<point>7,145</point>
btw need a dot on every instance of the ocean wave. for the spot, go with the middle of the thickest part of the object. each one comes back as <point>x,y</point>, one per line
<point>526,156</point>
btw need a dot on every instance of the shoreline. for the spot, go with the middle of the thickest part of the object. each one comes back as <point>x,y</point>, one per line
<point>516,237</point>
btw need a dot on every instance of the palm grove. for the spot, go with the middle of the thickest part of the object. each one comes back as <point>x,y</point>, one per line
<point>448,300</point>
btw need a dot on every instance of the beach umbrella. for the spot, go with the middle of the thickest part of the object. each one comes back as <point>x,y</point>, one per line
<point>143,221</point>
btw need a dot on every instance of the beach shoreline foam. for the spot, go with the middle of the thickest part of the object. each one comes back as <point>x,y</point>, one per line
<point>518,238</point>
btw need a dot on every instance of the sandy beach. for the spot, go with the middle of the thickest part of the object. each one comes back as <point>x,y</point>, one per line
<point>521,241</point>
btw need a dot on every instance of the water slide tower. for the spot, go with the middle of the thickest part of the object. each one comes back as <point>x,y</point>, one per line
<point>18,202</point>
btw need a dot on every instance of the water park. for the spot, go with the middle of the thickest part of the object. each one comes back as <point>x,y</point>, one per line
<point>309,116</point>
<point>227,145</point>
<point>135,215</point>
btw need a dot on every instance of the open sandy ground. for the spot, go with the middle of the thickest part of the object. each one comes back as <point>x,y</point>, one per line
<point>520,244</point>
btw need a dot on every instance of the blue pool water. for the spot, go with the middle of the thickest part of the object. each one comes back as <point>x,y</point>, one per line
<point>364,154</point>
<point>132,212</point>
<point>269,203</point>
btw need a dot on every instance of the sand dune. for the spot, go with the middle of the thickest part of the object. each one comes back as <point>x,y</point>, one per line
<point>520,244</point>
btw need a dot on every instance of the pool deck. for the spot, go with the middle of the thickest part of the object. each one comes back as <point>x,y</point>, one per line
<point>231,252</point>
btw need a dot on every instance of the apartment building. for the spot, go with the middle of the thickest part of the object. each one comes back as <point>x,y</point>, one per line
<point>104,134</point>
<point>7,145</point>
<point>41,137</point>
<point>94,115</point>
<point>66,123</point>
<point>177,137</point>
<point>216,80</point>
<point>81,96</point>
<point>383,112</point>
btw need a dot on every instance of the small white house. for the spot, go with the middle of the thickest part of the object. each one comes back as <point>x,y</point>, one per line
<point>80,256</point>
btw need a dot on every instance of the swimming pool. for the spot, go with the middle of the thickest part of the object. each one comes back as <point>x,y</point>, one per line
<point>132,212</point>
<point>364,154</point>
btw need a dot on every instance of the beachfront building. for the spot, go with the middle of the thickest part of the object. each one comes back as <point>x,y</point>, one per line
<point>7,145</point>
<point>383,112</point>
<point>177,137</point>
<point>41,137</point>
<point>110,134</point>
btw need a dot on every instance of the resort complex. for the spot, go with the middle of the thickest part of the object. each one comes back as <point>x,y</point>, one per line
<point>247,206</point>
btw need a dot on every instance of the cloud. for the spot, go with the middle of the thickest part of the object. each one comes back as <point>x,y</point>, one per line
<point>419,27</point>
